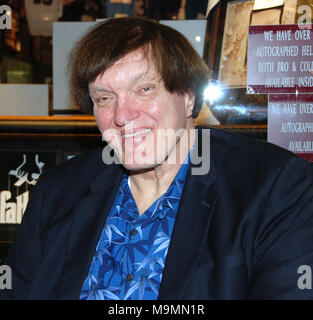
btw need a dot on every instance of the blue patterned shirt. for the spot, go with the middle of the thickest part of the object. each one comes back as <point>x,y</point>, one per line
<point>129,259</point>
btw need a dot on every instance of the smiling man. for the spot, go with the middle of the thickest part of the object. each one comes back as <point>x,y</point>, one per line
<point>134,220</point>
<point>138,116</point>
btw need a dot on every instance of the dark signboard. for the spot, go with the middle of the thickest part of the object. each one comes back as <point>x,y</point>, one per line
<point>19,172</point>
<point>280,59</point>
<point>290,123</point>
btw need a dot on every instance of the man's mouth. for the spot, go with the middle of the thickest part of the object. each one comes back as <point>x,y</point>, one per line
<point>134,134</point>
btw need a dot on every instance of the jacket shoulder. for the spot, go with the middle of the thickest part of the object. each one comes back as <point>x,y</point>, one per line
<point>236,158</point>
<point>80,168</point>
<point>245,149</point>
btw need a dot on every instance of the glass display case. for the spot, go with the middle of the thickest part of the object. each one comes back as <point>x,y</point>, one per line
<point>226,55</point>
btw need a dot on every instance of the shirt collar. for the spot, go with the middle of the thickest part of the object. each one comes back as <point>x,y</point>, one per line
<point>173,192</point>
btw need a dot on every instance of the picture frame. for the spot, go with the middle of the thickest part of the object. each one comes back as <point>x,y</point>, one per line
<point>228,35</point>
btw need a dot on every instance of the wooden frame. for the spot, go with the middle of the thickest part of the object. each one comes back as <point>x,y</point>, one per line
<point>83,127</point>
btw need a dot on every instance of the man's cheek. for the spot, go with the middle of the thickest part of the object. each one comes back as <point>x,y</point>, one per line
<point>112,137</point>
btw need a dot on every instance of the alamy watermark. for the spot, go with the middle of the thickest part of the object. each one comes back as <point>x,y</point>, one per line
<point>5,17</point>
<point>131,149</point>
<point>5,277</point>
<point>305,280</point>
<point>305,20</point>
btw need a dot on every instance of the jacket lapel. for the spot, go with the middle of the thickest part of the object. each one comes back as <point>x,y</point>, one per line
<point>88,220</point>
<point>192,223</point>
<point>189,234</point>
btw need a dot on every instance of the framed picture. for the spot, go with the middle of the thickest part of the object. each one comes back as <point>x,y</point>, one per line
<point>226,55</point>
<point>233,65</point>
<point>239,15</point>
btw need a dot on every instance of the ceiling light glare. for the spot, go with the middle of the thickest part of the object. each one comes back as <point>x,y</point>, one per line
<point>213,92</point>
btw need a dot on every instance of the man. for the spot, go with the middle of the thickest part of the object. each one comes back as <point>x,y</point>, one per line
<point>159,225</point>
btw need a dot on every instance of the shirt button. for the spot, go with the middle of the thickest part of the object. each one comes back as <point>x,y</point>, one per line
<point>129,277</point>
<point>132,232</point>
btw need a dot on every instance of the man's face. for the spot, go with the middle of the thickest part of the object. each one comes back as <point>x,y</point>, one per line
<point>137,116</point>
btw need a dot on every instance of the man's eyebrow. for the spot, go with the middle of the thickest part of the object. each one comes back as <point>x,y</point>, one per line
<point>141,76</point>
<point>97,89</point>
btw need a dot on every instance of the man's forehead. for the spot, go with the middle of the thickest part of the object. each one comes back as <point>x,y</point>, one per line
<point>141,55</point>
<point>145,76</point>
<point>146,68</point>
<point>138,55</point>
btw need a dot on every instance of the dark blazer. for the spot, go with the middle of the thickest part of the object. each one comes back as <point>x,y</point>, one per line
<point>242,230</point>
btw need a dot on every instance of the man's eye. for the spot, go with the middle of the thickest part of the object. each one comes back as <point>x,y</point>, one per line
<point>104,100</point>
<point>146,89</point>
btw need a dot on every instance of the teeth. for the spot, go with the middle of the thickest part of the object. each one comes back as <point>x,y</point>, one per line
<point>136,133</point>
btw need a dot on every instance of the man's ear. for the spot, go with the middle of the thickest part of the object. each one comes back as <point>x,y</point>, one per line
<point>189,103</point>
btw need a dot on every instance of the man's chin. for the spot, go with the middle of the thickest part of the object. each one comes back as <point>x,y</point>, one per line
<point>136,167</point>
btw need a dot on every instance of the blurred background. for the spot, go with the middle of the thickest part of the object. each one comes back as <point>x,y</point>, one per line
<point>26,49</point>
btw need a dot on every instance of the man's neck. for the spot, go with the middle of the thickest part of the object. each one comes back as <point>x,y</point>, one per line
<point>148,185</point>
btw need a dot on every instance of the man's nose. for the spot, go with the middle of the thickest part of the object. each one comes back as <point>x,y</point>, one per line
<point>126,110</point>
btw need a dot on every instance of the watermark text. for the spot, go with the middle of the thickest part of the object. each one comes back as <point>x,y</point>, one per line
<point>305,18</point>
<point>146,149</point>
<point>5,17</point>
<point>5,277</point>
<point>305,280</point>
